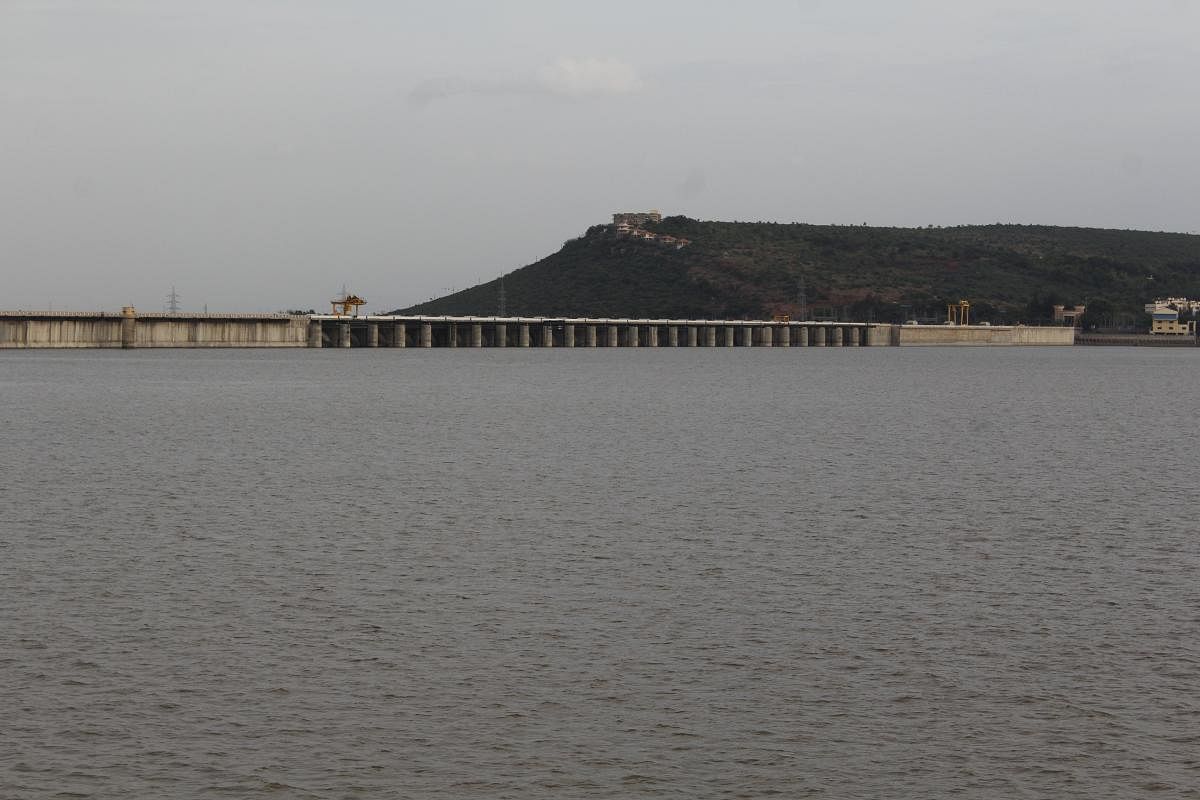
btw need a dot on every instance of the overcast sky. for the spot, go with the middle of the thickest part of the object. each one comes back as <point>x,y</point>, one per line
<point>258,155</point>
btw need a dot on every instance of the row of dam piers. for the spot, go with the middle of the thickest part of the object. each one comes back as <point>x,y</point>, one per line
<point>427,332</point>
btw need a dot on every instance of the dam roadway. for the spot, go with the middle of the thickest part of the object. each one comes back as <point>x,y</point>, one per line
<point>129,329</point>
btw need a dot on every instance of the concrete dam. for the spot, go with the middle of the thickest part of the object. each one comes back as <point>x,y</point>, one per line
<point>129,329</point>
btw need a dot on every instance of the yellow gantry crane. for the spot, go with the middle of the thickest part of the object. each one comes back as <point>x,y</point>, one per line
<point>958,314</point>
<point>347,305</point>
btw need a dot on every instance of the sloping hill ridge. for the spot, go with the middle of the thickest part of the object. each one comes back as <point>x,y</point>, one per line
<point>753,270</point>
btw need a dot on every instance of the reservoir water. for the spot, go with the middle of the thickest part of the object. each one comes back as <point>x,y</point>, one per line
<point>600,574</point>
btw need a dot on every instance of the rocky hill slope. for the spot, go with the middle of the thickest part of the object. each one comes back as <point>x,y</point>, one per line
<point>735,269</point>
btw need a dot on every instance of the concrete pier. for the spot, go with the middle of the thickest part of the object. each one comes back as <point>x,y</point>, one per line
<point>631,336</point>
<point>818,337</point>
<point>652,336</point>
<point>568,335</point>
<point>590,336</point>
<point>614,336</point>
<point>785,336</point>
<point>128,327</point>
<point>476,334</point>
<point>547,335</point>
<point>400,335</point>
<point>501,335</point>
<point>426,334</point>
<point>372,334</point>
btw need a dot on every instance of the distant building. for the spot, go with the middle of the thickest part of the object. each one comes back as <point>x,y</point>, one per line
<point>629,224</point>
<point>1177,303</point>
<point>636,219</point>
<point>1070,315</point>
<point>1165,321</point>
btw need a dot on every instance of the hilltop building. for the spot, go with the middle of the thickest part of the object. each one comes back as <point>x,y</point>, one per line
<point>628,224</point>
<point>636,219</point>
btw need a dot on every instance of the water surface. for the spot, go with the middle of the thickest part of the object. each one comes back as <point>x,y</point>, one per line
<point>600,574</point>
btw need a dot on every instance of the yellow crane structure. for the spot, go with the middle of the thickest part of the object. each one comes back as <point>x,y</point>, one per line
<point>347,305</point>
<point>958,313</point>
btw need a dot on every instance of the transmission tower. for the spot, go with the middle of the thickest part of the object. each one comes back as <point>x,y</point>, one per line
<point>173,301</point>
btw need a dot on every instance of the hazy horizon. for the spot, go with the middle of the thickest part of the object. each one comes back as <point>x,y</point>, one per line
<point>259,156</point>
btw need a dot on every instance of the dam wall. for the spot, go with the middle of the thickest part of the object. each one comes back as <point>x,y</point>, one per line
<point>983,335</point>
<point>582,332</point>
<point>129,329</point>
<point>171,330</point>
<point>60,329</point>
<point>101,329</point>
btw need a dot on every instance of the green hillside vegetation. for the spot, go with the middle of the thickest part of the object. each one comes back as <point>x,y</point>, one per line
<point>1010,273</point>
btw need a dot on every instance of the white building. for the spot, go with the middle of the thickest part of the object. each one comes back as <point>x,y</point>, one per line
<point>1177,303</point>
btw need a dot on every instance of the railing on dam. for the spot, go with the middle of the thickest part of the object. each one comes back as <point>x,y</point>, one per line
<point>428,332</point>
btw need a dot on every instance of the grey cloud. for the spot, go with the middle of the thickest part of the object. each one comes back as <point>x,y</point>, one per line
<point>566,77</point>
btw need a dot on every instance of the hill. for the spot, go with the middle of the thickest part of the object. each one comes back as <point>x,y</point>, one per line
<point>735,269</point>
